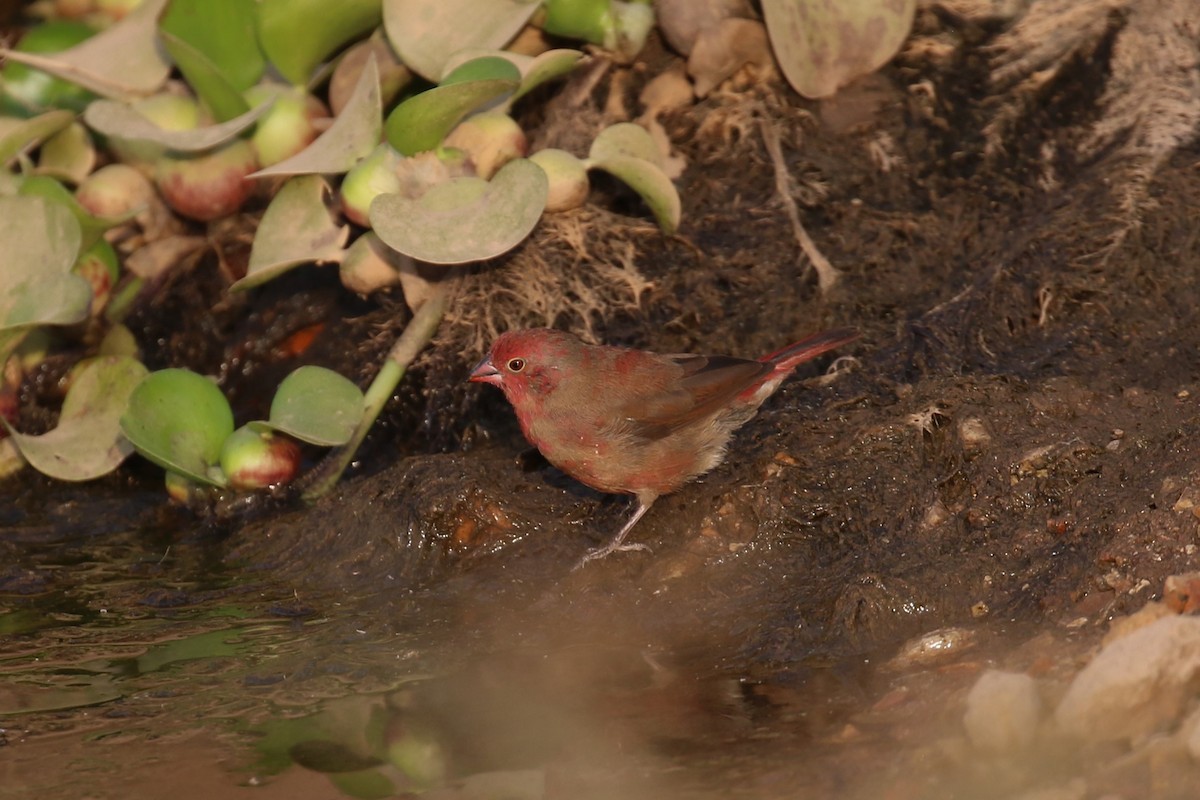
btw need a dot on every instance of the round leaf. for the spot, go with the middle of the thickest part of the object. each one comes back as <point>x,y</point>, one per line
<point>625,139</point>
<point>40,240</point>
<point>464,219</point>
<point>87,442</point>
<point>822,46</point>
<point>428,33</point>
<point>179,420</point>
<point>316,405</point>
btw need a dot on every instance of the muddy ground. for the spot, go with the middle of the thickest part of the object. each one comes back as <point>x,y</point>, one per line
<point>1007,452</point>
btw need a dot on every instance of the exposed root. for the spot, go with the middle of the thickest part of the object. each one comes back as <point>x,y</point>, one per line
<point>827,274</point>
<point>599,281</point>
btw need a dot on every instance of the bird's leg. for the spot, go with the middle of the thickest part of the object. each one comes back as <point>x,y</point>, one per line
<point>614,544</point>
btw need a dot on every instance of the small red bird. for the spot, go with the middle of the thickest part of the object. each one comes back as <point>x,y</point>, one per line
<point>630,421</point>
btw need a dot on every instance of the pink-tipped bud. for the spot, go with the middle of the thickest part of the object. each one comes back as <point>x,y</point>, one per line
<point>257,460</point>
<point>207,186</point>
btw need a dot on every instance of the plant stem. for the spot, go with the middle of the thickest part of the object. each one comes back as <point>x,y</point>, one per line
<point>412,341</point>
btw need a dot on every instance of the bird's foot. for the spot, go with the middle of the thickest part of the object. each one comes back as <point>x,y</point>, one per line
<point>611,547</point>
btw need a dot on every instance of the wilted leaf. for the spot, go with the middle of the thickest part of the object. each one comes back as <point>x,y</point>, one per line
<point>649,181</point>
<point>87,442</point>
<point>464,219</point>
<point>315,405</point>
<point>297,35</point>
<point>122,62</point>
<point>124,122</point>
<point>724,49</point>
<point>40,240</point>
<point>428,33</point>
<point>821,46</point>
<point>352,136</point>
<point>421,122</point>
<point>179,420</point>
<point>296,229</point>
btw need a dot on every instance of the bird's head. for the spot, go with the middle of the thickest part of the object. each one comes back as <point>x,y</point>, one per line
<point>528,364</point>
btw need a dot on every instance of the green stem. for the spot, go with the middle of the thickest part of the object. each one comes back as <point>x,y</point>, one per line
<point>416,336</point>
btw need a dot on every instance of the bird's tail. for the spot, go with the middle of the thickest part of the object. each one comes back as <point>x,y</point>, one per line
<point>785,360</point>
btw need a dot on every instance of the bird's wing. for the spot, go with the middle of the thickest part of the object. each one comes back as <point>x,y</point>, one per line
<point>703,385</point>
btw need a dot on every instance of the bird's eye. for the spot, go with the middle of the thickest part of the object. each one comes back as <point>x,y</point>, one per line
<point>516,364</point>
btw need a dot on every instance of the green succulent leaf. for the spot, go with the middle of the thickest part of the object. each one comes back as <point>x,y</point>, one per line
<point>650,182</point>
<point>297,35</point>
<point>296,229</point>
<point>179,420</point>
<point>87,442</point>
<point>421,122</point>
<point>22,135</point>
<point>464,219</point>
<point>222,32</point>
<point>625,139</point>
<point>316,405</point>
<point>206,78</point>
<point>68,155</point>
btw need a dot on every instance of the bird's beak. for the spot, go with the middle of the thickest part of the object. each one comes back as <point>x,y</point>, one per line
<point>484,372</point>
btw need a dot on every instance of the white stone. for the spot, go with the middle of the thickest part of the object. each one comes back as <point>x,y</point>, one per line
<point>1003,711</point>
<point>1136,684</point>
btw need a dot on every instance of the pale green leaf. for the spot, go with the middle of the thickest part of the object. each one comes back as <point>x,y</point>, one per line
<point>428,33</point>
<point>296,229</point>
<point>315,405</point>
<point>123,121</point>
<point>464,219</point>
<point>40,240</point>
<point>122,62</point>
<point>822,46</point>
<point>650,182</point>
<point>87,441</point>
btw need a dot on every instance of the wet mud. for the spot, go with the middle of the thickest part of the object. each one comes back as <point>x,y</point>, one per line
<point>1006,453</point>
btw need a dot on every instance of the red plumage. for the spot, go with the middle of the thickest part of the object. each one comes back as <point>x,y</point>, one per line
<point>631,421</point>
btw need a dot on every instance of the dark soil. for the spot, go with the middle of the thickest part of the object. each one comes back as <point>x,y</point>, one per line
<point>1005,453</point>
